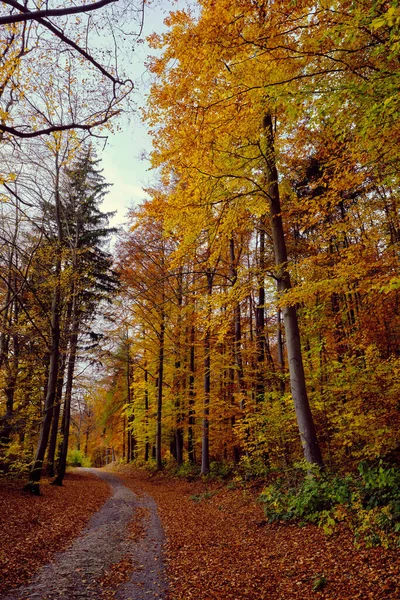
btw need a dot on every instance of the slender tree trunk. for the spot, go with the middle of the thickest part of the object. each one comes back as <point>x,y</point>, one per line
<point>62,463</point>
<point>58,399</point>
<point>281,354</point>
<point>178,434</point>
<point>260,318</point>
<point>192,418</point>
<point>131,416</point>
<point>160,391</point>
<point>87,433</point>
<point>237,345</point>
<point>205,446</point>
<point>146,409</point>
<point>129,443</point>
<point>305,421</point>
<point>36,471</point>
<point>124,438</point>
<point>55,423</point>
<point>205,449</point>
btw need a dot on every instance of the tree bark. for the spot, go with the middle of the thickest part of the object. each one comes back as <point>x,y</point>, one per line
<point>55,422</point>
<point>160,392</point>
<point>178,434</point>
<point>146,409</point>
<point>58,399</point>
<point>62,463</point>
<point>131,416</point>
<point>36,470</point>
<point>304,417</point>
<point>237,344</point>
<point>192,418</point>
<point>205,446</point>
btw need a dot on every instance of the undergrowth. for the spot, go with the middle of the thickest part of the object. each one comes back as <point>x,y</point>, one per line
<point>368,502</point>
<point>76,458</point>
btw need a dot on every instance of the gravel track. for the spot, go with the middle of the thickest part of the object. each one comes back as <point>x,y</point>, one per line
<point>77,572</point>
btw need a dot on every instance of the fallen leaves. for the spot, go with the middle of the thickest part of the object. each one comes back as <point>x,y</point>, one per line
<point>219,547</point>
<point>35,527</point>
<point>137,527</point>
<point>115,576</point>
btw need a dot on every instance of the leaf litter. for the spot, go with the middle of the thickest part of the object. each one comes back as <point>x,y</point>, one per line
<point>35,527</point>
<point>220,547</point>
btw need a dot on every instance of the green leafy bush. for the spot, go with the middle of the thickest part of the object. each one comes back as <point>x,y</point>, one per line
<point>221,470</point>
<point>188,470</point>
<point>14,460</point>
<point>368,502</point>
<point>76,458</point>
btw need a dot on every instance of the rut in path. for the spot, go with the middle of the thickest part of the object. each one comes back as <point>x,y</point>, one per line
<point>78,571</point>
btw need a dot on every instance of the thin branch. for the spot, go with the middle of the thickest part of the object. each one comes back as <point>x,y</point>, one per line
<point>28,15</point>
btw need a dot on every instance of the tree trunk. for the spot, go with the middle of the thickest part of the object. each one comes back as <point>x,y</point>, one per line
<point>124,438</point>
<point>178,434</point>
<point>192,357</point>
<point>160,391</point>
<point>146,409</point>
<point>57,406</point>
<point>131,416</point>
<point>205,446</point>
<point>281,354</point>
<point>36,470</point>
<point>237,344</point>
<point>62,463</point>
<point>55,422</point>
<point>260,318</point>
<point>305,421</point>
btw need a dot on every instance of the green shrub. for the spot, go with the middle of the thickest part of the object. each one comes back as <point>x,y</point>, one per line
<point>221,470</point>
<point>188,470</point>
<point>15,461</point>
<point>368,502</point>
<point>253,468</point>
<point>76,458</point>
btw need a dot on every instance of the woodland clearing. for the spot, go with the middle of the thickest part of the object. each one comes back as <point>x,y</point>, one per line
<point>218,544</point>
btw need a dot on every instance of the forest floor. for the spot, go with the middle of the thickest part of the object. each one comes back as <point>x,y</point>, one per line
<point>33,528</point>
<point>217,544</point>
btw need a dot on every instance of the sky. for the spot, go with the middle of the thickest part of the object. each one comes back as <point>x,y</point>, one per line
<point>122,158</point>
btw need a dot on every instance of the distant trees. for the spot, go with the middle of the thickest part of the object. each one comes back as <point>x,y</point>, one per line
<point>59,82</point>
<point>274,134</point>
<point>62,302</point>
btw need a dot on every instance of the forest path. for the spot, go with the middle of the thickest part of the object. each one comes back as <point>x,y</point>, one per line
<point>118,555</point>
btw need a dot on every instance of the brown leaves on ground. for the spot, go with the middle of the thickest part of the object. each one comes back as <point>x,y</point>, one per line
<point>220,547</point>
<point>35,527</point>
<point>137,527</point>
<point>115,576</point>
<point>122,571</point>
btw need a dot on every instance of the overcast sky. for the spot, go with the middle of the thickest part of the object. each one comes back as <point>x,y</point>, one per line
<point>122,159</point>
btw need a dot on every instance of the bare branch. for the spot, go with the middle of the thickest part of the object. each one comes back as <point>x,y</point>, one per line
<point>66,40</point>
<point>27,15</point>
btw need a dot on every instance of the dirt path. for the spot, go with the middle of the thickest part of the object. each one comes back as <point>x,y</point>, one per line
<point>119,554</point>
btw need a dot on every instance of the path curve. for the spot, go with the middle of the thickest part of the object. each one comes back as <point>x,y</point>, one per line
<point>77,572</point>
